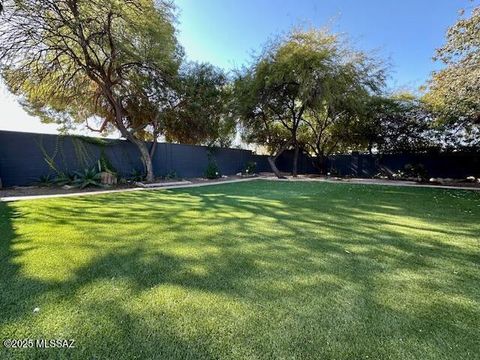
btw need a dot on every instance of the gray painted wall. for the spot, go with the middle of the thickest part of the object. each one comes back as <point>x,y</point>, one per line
<point>23,159</point>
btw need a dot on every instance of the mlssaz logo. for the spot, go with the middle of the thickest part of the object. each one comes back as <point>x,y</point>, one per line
<point>55,343</point>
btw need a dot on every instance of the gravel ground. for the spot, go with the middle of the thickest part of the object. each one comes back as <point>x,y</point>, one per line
<point>53,190</point>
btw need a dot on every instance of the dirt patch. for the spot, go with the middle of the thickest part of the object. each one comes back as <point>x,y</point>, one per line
<point>54,190</point>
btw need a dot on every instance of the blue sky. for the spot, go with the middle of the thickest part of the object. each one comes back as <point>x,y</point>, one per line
<point>226,32</point>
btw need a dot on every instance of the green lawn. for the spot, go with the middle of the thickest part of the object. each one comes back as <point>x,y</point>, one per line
<point>249,270</point>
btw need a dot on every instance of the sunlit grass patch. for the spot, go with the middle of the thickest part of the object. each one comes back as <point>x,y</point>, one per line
<point>249,270</point>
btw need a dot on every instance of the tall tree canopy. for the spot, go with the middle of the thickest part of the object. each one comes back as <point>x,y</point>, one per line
<point>199,110</point>
<point>74,60</point>
<point>397,123</point>
<point>454,91</point>
<point>302,92</point>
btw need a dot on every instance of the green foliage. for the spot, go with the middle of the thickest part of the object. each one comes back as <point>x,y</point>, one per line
<point>71,91</point>
<point>305,90</point>
<point>104,164</point>
<point>105,62</point>
<point>212,171</point>
<point>333,171</point>
<point>171,175</point>
<point>45,180</point>
<point>65,179</point>
<point>50,159</point>
<point>199,113</point>
<point>250,168</point>
<point>416,171</point>
<point>396,124</point>
<point>87,178</point>
<point>137,175</point>
<point>454,91</point>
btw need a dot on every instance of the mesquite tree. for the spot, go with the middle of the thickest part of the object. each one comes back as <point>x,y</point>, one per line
<point>304,92</point>
<point>331,122</point>
<point>454,91</point>
<point>198,111</point>
<point>81,60</point>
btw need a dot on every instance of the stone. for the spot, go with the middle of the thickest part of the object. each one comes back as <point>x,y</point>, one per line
<point>107,178</point>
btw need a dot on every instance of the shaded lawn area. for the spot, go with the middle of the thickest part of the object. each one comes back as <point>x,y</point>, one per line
<point>248,270</point>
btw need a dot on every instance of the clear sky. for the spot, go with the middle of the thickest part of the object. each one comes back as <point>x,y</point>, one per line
<point>226,32</point>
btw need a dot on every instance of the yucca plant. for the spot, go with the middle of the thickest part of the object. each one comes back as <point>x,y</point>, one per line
<point>86,178</point>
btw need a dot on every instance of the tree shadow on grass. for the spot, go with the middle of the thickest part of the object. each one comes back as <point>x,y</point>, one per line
<point>324,270</point>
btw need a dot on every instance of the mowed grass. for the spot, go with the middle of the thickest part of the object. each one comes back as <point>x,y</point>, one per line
<point>259,270</point>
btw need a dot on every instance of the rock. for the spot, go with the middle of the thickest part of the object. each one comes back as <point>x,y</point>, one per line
<point>67,187</point>
<point>239,174</point>
<point>107,178</point>
<point>433,180</point>
<point>471,178</point>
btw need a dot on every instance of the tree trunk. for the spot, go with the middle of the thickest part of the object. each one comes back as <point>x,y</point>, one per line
<point>271,161</point>
<point>146,159</point>
<point>295,161</point>
<point>142,147</point>
<point>154,147</point>
<point>321,164</point>
<point>119,114</point>
<point>144,153</point>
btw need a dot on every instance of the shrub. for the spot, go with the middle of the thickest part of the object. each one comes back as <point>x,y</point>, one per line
<point>383,174</point>
<point>137,175</point>
<point>212,172</point>
<point>333,172</point>
<point>86,178</point>
<point>45,180</point>
<point>105,165</point>
<point>250,168</point>
<point>171,175</point>
<point>64,179</point>
<point>416,171</point>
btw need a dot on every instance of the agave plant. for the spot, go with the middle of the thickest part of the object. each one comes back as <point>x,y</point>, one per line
<point>137,175</point>
<point>86,178</point>
<point>65,179</point>
<point>45,180</point>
